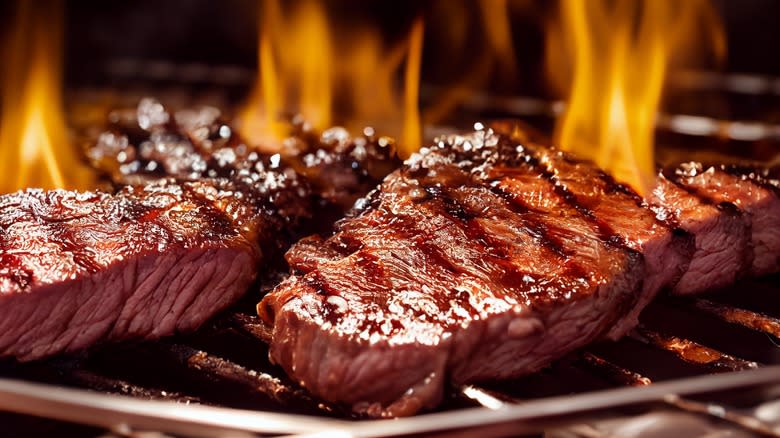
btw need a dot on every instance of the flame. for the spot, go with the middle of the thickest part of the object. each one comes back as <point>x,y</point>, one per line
<point>33,134</point>
<point>332,74</point>
<point>621,51</point>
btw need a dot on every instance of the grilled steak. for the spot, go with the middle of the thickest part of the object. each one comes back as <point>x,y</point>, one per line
<point>480,259</point>
<point>756,196</point>
<point>724,251</point>
<point>77,268</point>
<point>484,258</point>
<point>196,215</point>
<point>151,142</point>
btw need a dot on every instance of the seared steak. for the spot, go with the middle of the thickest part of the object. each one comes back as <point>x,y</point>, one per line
<point>78,268</point>
<point>479,259</point>
<point>486,257</point>
<point>756,196</point>
<point>151,142</point>
<point>724,251</point>
<point>623,216</point>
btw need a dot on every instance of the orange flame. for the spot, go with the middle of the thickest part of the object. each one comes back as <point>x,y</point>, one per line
<point>34,149</point>
<point>621,51</point>
<point>331,74</point>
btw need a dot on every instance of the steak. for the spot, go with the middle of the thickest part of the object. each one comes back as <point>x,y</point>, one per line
<point>756,196</point>
<point>151,142</point>
<point>724,251</point>
<point>195,216</point>
<point>486,257</point>
<point>78,268</point>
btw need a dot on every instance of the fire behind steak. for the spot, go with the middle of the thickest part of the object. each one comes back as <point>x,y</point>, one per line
<point>196,216</point>
<point>484,259</point>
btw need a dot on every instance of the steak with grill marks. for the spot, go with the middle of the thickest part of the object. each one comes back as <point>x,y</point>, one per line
<point>486,257</point>
<point>757,196</point>
<point>724,251</point>
<point>477,260</point>
<point>79,268</point>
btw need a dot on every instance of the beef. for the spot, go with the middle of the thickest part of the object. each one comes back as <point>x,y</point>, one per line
<point>479,259</point>
<point>146,262</point>
<point>195,216</point>
<point>758,197</point>
<point>486,257</point>
<point>724,251</point>
<point>667,249</point>
<point>152,142</point>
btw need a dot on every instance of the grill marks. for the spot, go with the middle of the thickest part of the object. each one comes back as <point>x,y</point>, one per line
<point>619,213</point>
<point>141,263</point>
<point>461,266</point>
<point>623,216</point>
<point>482,259</point>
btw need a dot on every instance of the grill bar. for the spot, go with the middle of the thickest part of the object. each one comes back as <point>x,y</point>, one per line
<point>215,367</point>
<point>250,325</point>
<point>692,352</point>
<point>746,318</point>
<point>110,411</point>
<point>98,382</point>
<point>611,371</point>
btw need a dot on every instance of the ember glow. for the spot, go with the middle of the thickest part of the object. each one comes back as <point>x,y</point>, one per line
<point>344,75</point>
<point>612,58</point>
<point>34,147</point>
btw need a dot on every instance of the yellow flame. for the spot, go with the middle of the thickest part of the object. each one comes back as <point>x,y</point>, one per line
<point>34,149</point>
<point>332,75</point>
<point>621,51</point>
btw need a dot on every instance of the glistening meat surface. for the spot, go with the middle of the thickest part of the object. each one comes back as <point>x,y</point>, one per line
<point>486,258</point>
<point>78,268</point>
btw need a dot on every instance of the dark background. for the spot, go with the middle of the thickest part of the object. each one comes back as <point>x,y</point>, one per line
<point>225,32</point>
<point>203,46</point>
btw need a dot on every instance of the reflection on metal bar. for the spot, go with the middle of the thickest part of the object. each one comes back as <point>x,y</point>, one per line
<point>483,397</point>
<point>685,124</point>
<point>733,82</point>
<point>740,130</point>
<point>746,318</point>
<point>747,422</point>
<point>692,352</point>
<point>118,413</point>
<point>611,371</point>
<point>547,409</point>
